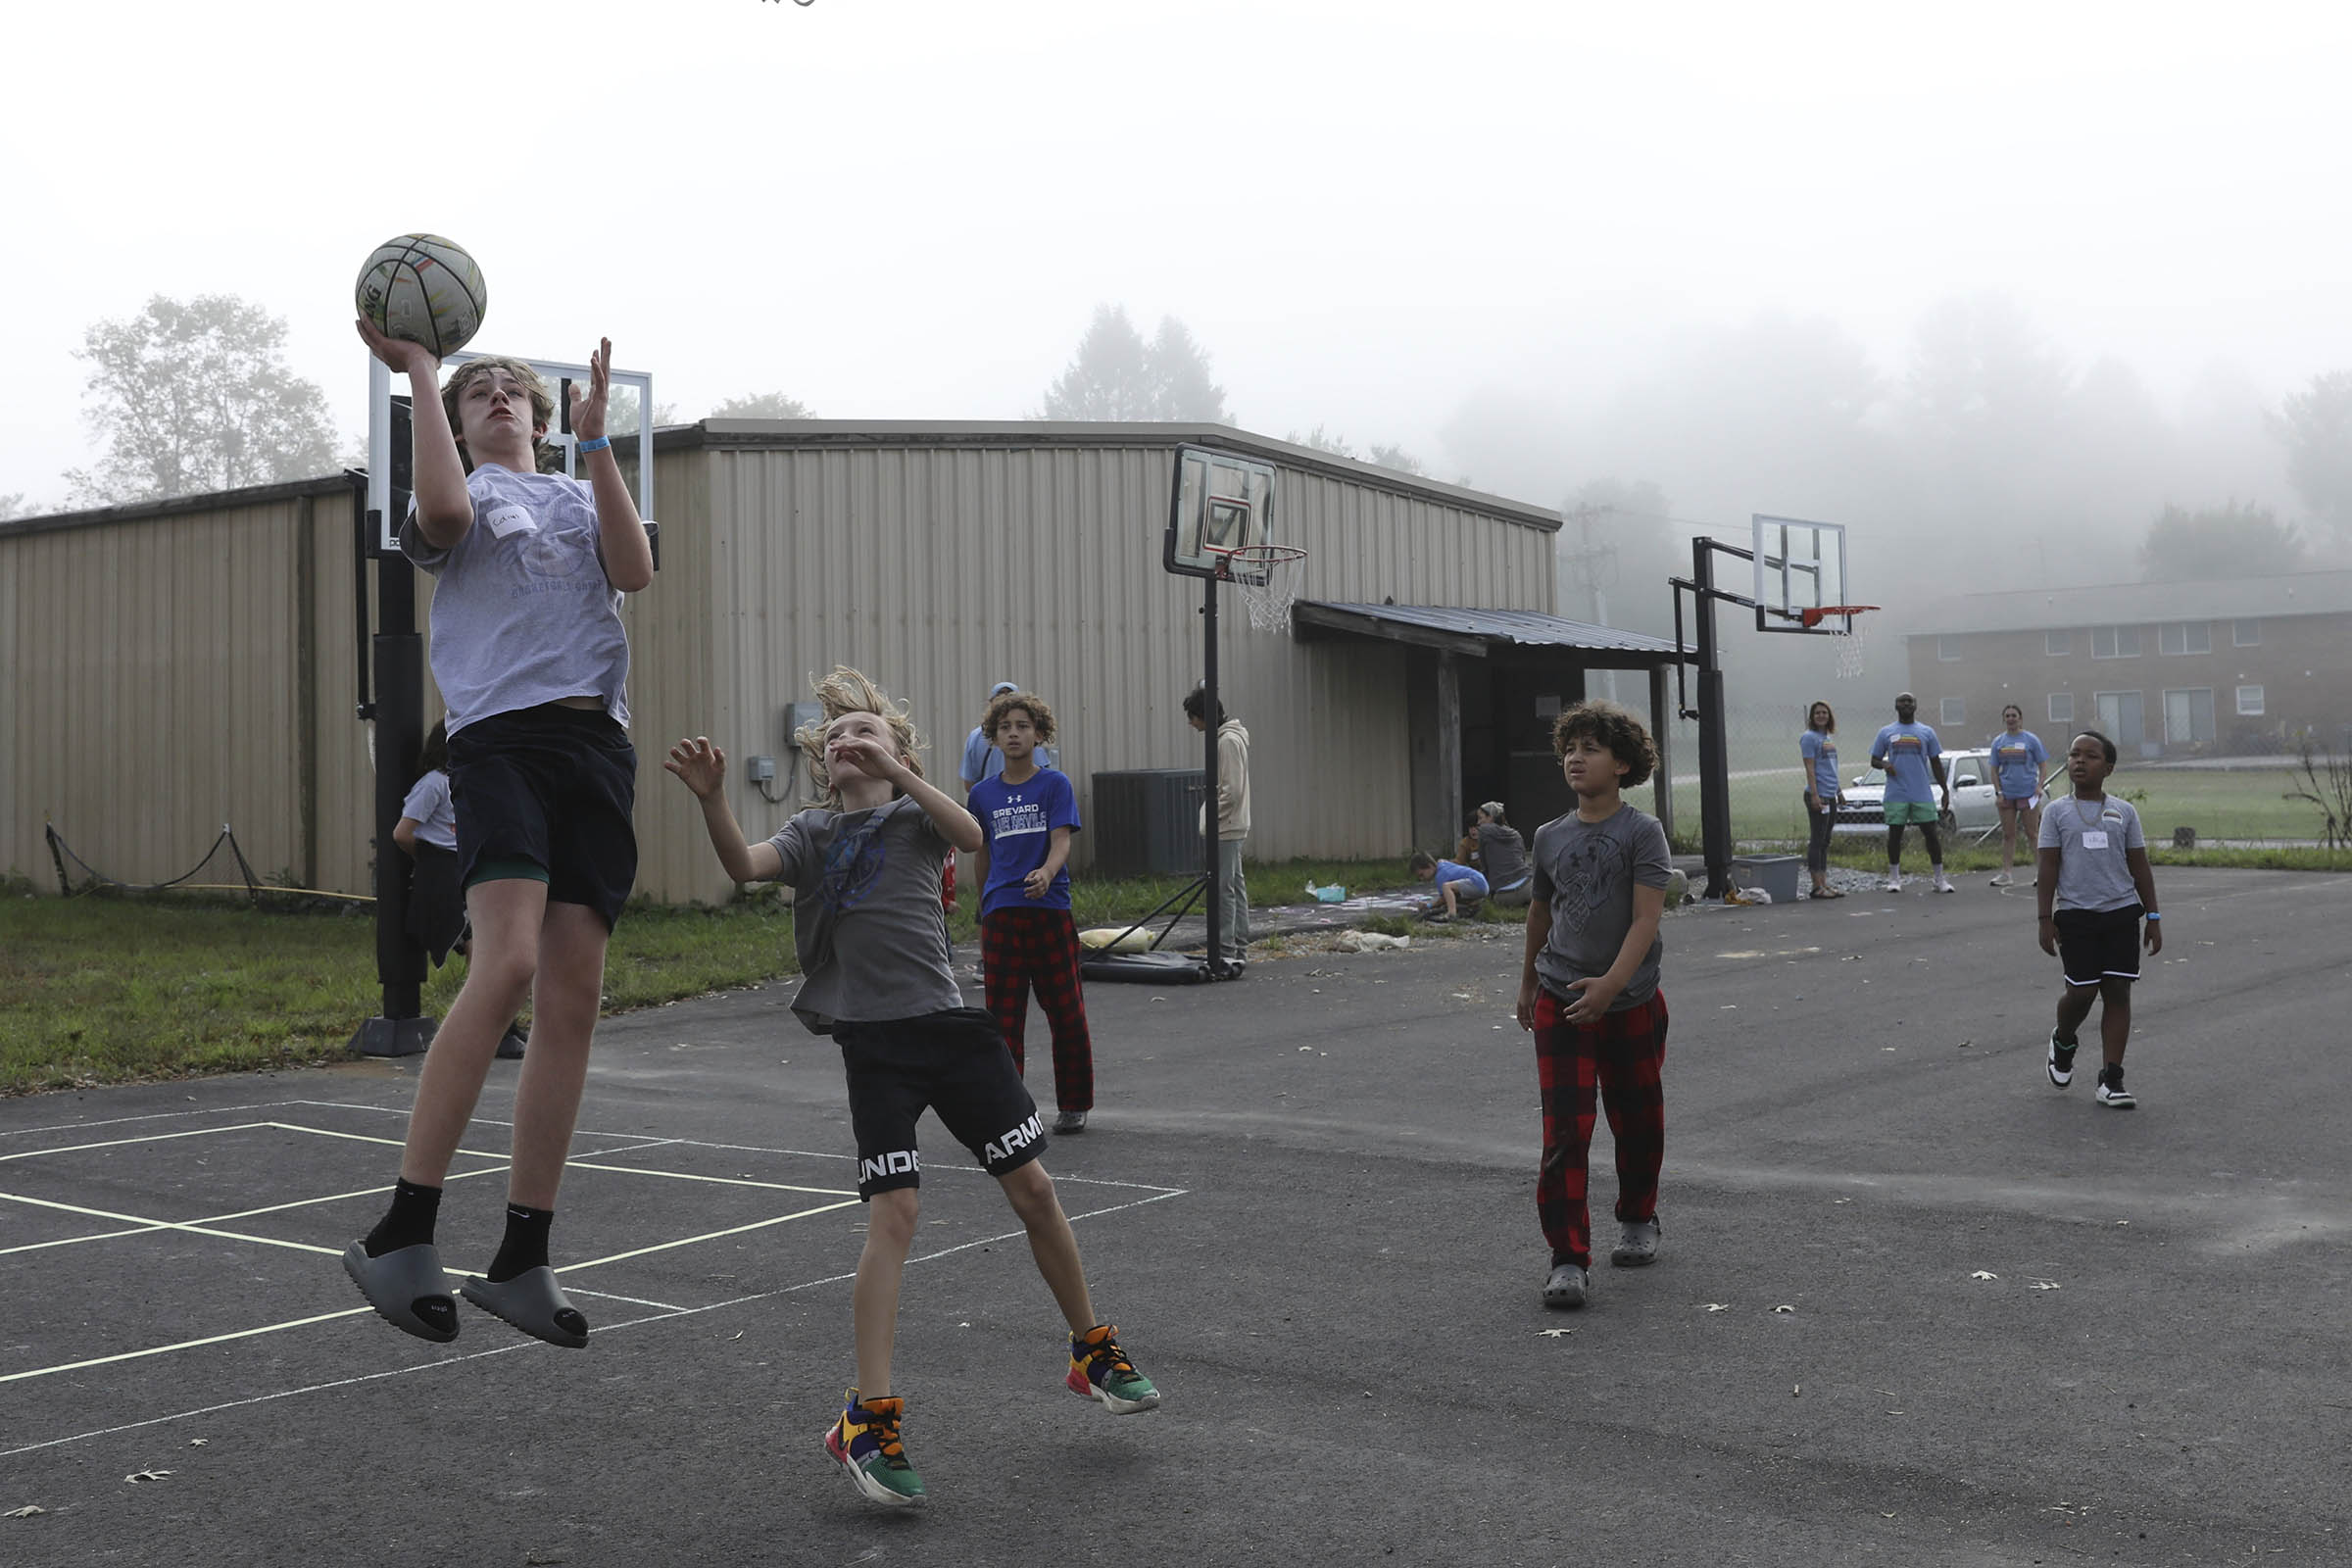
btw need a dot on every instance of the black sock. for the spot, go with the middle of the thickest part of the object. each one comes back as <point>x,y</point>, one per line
<point>526,1245</point>
<point>409,1222</point>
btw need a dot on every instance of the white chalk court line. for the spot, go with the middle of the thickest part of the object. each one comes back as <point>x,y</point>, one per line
<point>507,1350</point>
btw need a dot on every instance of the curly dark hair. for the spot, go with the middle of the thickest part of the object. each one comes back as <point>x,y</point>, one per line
<point>1028,703</point>
<point>1617,730</point>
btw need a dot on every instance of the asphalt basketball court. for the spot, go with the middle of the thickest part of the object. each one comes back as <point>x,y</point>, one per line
<point>1913,1305</point>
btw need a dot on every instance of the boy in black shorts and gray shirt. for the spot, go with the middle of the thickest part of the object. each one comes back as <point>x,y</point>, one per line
<point>2095,891</point>
<point>865,871</point>
<point>531,661</point>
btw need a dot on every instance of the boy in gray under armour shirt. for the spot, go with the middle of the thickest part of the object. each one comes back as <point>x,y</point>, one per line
<point>865,871</point>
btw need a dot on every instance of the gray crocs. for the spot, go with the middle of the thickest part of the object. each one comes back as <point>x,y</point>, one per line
<point>533,1303</point>
<point>396,1283</point>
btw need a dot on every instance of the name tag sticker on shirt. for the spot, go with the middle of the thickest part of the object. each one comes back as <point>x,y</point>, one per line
<point>505,520</point>
<point>2095,839</point>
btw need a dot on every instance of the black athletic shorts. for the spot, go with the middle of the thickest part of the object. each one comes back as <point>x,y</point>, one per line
<point>954,1062</point>
<point>554,786</point>
<point>2095,945</point>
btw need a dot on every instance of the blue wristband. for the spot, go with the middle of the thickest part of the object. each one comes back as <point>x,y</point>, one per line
<point>597,445</point>
<point>2151,915</point>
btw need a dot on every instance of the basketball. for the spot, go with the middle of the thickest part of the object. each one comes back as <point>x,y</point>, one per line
<point>425,289</point>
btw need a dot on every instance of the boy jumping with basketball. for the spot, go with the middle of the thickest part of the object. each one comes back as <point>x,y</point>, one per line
<point>1589,992</point>
<point>865,871</point>
<point>531,661</point>
<point>2095,889</point>
<point>1027,812</point>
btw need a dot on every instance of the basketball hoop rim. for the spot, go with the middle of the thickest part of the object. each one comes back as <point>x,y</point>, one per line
<point>1813,617</point>
<point>1261,557</point>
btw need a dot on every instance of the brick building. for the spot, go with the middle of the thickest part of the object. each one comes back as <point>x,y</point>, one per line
<point>2232,667</point>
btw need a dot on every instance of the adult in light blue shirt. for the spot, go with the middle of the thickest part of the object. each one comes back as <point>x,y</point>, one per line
<point>1913,759</point>
<point>2018,760</point>
<point>1817,754</point>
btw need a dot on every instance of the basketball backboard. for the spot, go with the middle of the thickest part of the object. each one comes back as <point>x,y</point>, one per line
<point>1799,567</point>
<point>1219,503</point>
<point>626,422</point>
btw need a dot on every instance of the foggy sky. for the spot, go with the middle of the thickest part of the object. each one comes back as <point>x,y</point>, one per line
<point>1535,244</point>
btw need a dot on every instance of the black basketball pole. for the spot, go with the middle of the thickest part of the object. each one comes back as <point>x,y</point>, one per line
<point>1208,806</point>
<point>1714,751</point>
<point>398,650</point>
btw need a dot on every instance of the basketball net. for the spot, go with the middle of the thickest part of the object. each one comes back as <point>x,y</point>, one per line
<point>1269,587</point>
<point>1853,643</point>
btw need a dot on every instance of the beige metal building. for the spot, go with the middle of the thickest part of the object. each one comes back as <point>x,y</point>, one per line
<point>165,669</point>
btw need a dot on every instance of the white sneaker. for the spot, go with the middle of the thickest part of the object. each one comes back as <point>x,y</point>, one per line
<point>1895,881</point>
<point>2003,880</point>
<point>1943,884</point>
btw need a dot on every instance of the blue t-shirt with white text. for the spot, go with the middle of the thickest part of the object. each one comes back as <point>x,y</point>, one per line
<point>1019,821</point>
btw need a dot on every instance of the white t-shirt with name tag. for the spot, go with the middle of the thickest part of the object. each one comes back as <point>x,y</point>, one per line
<point>2093,840</point>
<point>522,612</point>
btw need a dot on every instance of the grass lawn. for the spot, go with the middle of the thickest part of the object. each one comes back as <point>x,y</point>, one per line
<point>2234,803</point>
<point>111,990</point>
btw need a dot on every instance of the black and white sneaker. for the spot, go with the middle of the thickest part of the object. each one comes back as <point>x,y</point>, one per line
<point>2062,1061</point>
<point>2111,1090</point>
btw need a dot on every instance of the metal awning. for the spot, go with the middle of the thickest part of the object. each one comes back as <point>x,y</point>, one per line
<point>1481,633</point>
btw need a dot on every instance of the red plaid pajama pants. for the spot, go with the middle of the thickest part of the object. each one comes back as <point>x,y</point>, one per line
<point>1621,1056</point>
<point>1020,948</point>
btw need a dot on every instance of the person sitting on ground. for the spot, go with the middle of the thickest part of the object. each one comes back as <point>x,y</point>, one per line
<point>1456,884</point>
<point>1503,859</point>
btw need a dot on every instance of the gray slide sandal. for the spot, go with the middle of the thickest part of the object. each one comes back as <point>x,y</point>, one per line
<point>532,1302</point>
<point>399,1282</point>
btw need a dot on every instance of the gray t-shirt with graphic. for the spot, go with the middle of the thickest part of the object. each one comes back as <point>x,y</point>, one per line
<point>522,612</point>
<point>2091,840</point>
<point>1587,872</point>
<point>867,917</point>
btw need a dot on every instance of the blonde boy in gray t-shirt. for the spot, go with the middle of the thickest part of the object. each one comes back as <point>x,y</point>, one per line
<point>865,871</point>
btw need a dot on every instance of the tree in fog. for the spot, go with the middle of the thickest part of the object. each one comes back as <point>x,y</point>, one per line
<point>194,395</point>
<point>2317,426</point>
<point>753,405</point>
<point>1116,375</point>
<point>1388,455</point>
<point>1181,384</point>
<point>13,506</point>
<point>2238,540</point>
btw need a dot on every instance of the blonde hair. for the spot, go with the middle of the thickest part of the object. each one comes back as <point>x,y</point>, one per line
<point>844,692</point>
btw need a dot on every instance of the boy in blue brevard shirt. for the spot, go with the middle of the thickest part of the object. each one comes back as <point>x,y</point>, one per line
<point>873,940</point>
<point>1027,935</point>
<point>2095,890</point>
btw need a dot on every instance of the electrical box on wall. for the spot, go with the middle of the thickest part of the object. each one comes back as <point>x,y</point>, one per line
<point>760,770</point>
<point>798,716</point>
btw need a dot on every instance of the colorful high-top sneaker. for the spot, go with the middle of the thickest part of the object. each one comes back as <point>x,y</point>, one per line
<point>1101,1370</point>
<point>865,1443</point>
